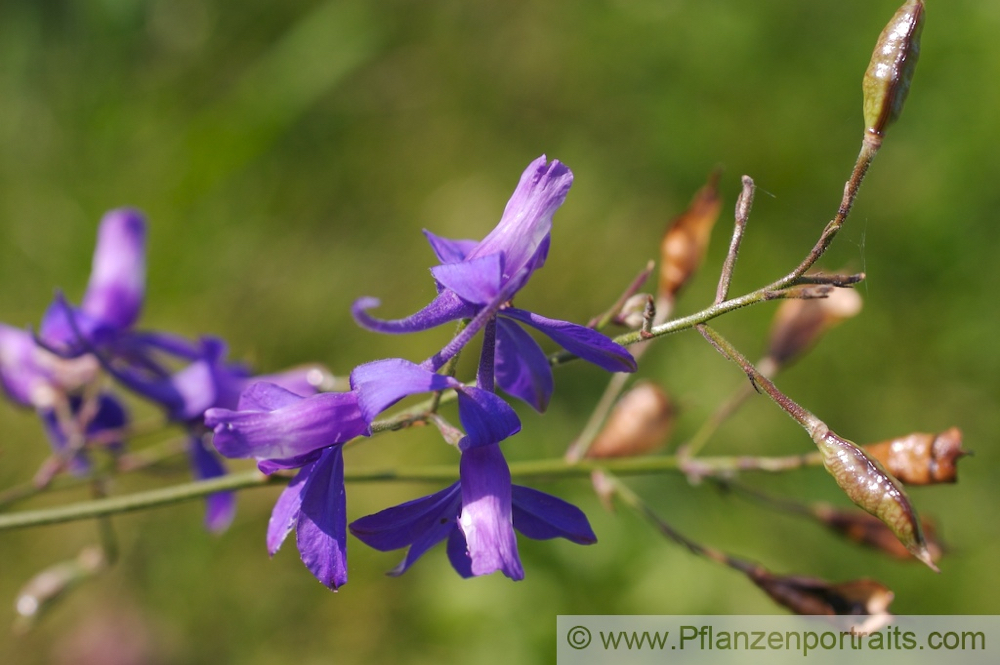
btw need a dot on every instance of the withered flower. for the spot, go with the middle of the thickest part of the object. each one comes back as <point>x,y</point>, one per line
<point>639,423</point>
<point>921,458</point>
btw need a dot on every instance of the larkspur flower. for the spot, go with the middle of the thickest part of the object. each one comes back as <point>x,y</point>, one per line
<point>181,376</point>
<point>477,516</point>
<point>284,430</point>
<point>477,280</point>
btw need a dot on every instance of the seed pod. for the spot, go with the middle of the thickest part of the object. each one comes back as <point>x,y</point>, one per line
<point>639,423</point>
<point>799,323</point>
<point>811,596</point>
<point>921,459</point>
<point>683,246</point>
<point>870,531</point>
<point>869,486</point>
<point>887,80</point>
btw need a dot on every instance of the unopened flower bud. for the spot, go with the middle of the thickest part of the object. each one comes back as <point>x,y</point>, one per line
<point>870,531</point>
<point>920,458</point>
<point>872,488</point>
<point>811,596</point>
<point>799,323</point>
<point>686,240</point>
<point>639,423</point>
<point>887,80</point>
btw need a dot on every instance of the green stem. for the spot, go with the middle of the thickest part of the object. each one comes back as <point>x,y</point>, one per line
<point>549,468</point>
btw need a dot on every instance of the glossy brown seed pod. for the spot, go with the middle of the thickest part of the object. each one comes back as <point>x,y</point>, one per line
<point>640,423</point>
<point>870,531</point>
<point>812,596</point>
<point>872,488</point>
<point>798,324</point>
<point>921,458</point>
<point>887,80</point>
<point>686,239</point>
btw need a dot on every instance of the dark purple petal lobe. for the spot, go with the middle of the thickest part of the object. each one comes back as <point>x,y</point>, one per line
<point>542,516</point>
<point>447,250</point>
<point>486,418</point>
<point>588,344</point>
<point>522,368</point>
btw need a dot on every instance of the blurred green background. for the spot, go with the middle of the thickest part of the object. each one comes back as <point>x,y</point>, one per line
<point>288,154</point>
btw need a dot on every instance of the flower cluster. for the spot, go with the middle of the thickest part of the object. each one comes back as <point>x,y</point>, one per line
<point>58,370</point>
<point>476,283</point>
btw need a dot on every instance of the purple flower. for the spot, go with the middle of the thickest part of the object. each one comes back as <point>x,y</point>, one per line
<point>477,516</point>
<point>477,280</point>
<point>114,296</point>
<point>87,420</point>
<point>33,377</point>
<point>283,430</point>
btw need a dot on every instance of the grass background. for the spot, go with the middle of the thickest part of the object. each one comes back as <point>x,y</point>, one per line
<point>288,154</point>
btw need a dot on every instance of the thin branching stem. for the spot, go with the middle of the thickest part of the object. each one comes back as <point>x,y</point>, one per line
<point>743,205</point>
<point>444,473</point>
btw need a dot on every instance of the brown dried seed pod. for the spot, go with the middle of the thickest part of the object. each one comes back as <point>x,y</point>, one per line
<point>640,423</point>
<point>872,488</point>
<point>686,240</point>
<point>887,80</point>
<point>799,323</point>
<point>868,530</point>
<point>921,458</point>
<point>808,595</point>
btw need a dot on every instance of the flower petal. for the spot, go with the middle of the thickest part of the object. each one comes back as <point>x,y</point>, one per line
<point>458,554</point>
<point>269,466</point>
<point>421,524</point>
<point>400,526</point>
<point>308,424</point>
<point>542,516</point>
<point>476,281</point>
<point>382,383</point>
<point>486,513</point>
<point>588,344</point>
<point>486,418</point>
<point>21,375</point>
<point>266,396</point>
<point>220,507</point>
<point>321,531</point>
<point>444,308</point>
<point>447,250</point>
<point>118,276</point>
<point>285,513</point>
<point>523,230</point>
<point>522,368</point>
